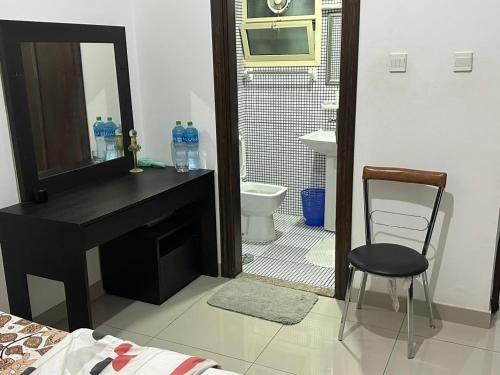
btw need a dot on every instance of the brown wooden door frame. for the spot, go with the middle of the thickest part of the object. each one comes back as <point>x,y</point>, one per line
<point>226,112</point>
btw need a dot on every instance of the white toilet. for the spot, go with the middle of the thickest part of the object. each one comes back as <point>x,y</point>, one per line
<point>258,204</point>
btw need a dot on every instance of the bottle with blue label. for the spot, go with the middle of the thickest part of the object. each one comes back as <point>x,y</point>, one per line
<point>110,139</point>
<point>100,152</point>
<point>179,150</point>
<point>192,143</point>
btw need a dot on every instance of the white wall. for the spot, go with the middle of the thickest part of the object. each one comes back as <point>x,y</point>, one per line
<point>432,118</point>
<point>174,47</point>
<point>44,293</point>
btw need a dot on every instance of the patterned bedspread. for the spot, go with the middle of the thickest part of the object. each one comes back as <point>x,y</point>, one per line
<point>23,342</point>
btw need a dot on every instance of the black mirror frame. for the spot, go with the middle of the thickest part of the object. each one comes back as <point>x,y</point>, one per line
<point>12,33</point>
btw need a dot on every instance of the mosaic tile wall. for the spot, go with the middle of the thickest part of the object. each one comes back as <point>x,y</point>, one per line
<point>274,110</point>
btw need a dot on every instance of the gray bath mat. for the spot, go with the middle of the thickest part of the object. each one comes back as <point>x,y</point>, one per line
<point>266,301</point>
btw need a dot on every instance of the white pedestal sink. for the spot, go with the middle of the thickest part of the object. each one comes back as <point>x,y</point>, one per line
<point>325,142</point>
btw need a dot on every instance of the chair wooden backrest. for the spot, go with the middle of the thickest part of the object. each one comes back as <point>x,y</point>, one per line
<point>414,176</point>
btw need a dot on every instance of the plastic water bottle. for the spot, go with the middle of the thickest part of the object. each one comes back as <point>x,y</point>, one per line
<point>192,142</point>
<point>100,153</point>
<point>179,151</point>
<point>110,138</point>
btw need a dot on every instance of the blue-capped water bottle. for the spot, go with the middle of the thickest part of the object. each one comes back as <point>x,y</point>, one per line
<point>100,143</point>
<point>110,138</point>
<point>192,142</point>
<point>179,151</point>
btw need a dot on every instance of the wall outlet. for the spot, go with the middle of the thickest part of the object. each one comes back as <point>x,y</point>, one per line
<point>463,61</point>
<point>397,62</point>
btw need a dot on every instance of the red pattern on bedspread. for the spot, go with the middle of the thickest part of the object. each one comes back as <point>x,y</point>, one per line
<point>23,342</point>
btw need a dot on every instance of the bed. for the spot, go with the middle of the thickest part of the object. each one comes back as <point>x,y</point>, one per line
<point>30,348</point>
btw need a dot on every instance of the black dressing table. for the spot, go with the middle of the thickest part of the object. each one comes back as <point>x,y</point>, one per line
<point>51,239</point>
<point>59,81</point>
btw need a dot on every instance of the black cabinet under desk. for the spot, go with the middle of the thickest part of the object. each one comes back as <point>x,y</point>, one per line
<point>144,257</point>
<point>154,262</point>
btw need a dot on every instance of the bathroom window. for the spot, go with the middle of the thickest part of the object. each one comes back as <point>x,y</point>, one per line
<point>281,32</point>
<point>268,43</point>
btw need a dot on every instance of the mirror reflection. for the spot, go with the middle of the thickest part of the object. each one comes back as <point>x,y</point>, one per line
<point>74,105</point>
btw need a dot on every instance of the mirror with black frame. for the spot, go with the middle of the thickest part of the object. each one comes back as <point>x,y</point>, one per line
<point>67,91</point>
<point>74,106</point>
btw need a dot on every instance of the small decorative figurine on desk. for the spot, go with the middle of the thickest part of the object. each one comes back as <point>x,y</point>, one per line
<point>134,148</point>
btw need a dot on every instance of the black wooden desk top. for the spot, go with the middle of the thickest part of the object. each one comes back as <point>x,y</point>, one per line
<point>93,202</point>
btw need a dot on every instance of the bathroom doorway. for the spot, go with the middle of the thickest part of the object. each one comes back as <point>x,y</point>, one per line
<point>288,221</point>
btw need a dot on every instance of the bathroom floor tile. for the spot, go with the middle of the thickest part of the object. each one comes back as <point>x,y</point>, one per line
<point>438,357</point>
<point>220,331</point>
<point>279,259</point>
<point>311,347</point>
<point>286,253</point>
<point>227,363</point>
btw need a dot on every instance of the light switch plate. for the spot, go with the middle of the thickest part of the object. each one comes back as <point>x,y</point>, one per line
<point>463,61</point>
<point>397,62</point>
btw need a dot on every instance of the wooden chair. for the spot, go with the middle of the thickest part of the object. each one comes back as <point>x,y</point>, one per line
<point>391,260</point>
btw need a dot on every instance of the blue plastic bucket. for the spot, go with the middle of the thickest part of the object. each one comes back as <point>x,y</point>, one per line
<point>313,206</point>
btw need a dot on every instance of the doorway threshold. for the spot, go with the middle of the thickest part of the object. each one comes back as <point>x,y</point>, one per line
<point>321,291</point>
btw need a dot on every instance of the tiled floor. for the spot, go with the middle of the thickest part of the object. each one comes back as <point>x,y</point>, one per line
<point>284,258</point>
<point>375,340</point>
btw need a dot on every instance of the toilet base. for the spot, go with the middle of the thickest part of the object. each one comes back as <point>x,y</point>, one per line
<point>258,228</point>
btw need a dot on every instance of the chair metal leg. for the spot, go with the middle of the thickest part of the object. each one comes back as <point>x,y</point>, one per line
<point>428,299</point>
<point>346,302</point>
<point>409,313</point>
<point>361,296</point>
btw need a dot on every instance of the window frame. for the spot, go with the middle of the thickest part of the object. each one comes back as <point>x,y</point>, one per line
<point>278,60</point>
<point>314,39</point>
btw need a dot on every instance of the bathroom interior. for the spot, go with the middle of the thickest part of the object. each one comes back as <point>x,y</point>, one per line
<point>288,62</point>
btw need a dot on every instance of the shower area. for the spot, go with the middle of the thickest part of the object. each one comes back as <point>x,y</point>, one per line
<point>287,106</point>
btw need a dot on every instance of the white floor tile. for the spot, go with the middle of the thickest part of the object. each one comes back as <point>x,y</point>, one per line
<point>186,324</point>
<point>208,284</point>
<point>148,319</point>
<point>368,315</point>
<point>458,333</point>
<point>224,332</point>
<point>311,347</point>
<point>438,357</point>
<point>261,370</point>
<point>227,363</point>
<point>135,338</point>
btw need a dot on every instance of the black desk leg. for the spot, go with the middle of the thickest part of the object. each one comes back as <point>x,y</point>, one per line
<point>17,289</point>
<point>76,287</point>
<point>209,264</point>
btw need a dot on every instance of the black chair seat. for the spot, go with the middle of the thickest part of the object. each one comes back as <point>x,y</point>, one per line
<point>390,260</point>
